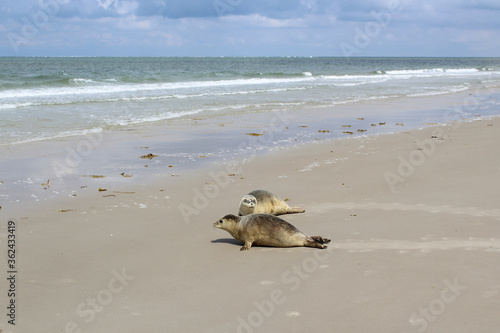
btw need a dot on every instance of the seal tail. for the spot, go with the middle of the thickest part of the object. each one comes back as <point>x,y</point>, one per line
<point>293,210</point>
<point>317,242</point>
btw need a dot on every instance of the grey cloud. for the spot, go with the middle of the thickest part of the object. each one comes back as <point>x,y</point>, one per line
<point>214,8</point>
<point>259,26</point>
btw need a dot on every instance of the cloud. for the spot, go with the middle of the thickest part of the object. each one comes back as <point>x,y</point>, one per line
<point>176,8</point>
<point>248,27</point>
<point>164,38</point>
<point>119,7</point>
<point>256,20</point>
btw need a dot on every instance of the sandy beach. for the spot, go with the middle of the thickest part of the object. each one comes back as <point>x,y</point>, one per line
<point>413,218</point>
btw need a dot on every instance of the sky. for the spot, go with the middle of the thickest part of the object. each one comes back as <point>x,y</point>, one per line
<point>348,28</point>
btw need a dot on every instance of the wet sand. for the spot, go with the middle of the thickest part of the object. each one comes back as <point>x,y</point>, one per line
<point>413,217</point>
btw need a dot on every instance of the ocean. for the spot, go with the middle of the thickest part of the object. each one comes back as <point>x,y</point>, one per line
<point>52,98</point>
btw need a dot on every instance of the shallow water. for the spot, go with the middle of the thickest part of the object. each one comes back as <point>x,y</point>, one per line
<point>49,98</point>
<point>68,164</point>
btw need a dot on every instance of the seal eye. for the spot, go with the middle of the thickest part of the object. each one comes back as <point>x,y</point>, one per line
<point>220,221</point>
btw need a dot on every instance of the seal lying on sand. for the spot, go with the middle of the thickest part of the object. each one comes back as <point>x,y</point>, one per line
<point>267,230</point>
<point>264,202</point>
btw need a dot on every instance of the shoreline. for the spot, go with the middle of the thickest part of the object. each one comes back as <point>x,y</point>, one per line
<point>145,256</point>
<point>198,143</point>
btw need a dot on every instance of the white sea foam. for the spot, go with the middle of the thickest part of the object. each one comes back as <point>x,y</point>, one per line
<point>137,120</point>
<point>364,99</point>
<point>17,105</point>
<point>416,71</point>
<point>59,135</point>
<point>91,95</point>
<point>443,91</point>
<point>128,88</point>
<point>433,71</point>
<point>149,119</point>
<point>79,80</point>
<point>353,80</point>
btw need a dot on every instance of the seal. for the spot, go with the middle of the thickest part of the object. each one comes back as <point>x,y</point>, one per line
<point>264,202</point>
<point>267,230</point>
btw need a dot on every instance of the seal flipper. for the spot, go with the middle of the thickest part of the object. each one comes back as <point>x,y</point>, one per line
<point>247,246</point>
<point>320,239</point>
<point>316,241</point>
<point>293,210</point>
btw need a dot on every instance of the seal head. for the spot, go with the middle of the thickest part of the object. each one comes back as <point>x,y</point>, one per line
<point>247,205</point>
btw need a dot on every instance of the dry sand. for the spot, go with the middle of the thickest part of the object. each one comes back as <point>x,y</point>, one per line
<point>413,217</point>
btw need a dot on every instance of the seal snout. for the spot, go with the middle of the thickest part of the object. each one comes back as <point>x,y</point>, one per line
<point>218,224</point>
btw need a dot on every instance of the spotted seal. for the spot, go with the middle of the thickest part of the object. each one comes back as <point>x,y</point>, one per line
<point>267,230</point>
<point>265,202</point>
